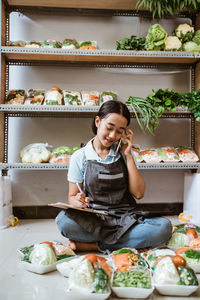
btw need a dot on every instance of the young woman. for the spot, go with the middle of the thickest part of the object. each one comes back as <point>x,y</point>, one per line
<point>111,181</point>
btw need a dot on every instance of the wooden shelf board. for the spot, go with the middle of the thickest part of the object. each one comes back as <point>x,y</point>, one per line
<point>135,58</point>
<point>93,4</point>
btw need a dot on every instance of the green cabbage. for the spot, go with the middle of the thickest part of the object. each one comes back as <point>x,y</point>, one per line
<point>196,37</point>
<point>155,39</point>
<point>42,254</point>
<point>191,46</point>
<point>178,240</point>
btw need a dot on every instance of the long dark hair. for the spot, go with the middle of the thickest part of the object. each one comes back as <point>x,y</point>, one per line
<point>109,107</point>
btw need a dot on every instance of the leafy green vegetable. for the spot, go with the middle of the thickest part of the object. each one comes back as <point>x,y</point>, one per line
<point>42,254</point>
<point>191,47</point>
<point>132,279</point>
<point>101,281</point>
<point>123,250</point>
<point>164,100</point>
<point>62,150</point>
<point>160,9</point>
<point>178,239</point>
<point>132,43</point>
<point>187,276</point>
<point>192,254</point>
<point>155,39</point>
<point>196,37</point>
<point>26,251</point>
<point>192,102</point>
<point>146,115</point>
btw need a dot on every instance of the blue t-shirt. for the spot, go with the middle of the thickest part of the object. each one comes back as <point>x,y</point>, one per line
<point>78,161</point>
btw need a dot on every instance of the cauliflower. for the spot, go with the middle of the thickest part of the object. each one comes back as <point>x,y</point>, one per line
<point>172,43</point>
<point>184,32</point>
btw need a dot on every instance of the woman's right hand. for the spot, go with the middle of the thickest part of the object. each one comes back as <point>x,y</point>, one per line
<point>80,200</point>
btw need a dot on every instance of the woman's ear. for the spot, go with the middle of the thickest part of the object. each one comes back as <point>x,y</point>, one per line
<point>97,121</point>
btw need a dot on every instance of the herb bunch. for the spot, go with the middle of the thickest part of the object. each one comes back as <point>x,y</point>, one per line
<point>132,43</point>
<point>160,9</point>
<point>146,115</point>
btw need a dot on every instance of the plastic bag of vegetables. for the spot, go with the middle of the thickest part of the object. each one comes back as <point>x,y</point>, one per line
<point>35,153</point>
<point>91,275</point>
<point>62,154</point>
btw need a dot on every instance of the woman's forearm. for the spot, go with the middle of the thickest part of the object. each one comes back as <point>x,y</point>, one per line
<point>136,182</point>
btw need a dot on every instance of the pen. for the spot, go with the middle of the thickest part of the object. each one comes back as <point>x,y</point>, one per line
<point>118,146</point>
<point>80,190</point>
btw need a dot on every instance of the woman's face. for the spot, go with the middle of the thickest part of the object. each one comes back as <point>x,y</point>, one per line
<point>110,128</point>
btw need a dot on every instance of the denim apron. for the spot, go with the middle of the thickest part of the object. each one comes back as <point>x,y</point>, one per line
<point>107,187</point>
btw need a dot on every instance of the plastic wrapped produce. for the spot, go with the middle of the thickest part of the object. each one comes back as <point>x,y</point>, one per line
<point>108,95</point>
<point>168,154</point>
<point>91,275</point>
<point>88,45</point>
<point>35,153</point>
<point>186,154</point>
<point>70,44</point>
<point>137,155</point>
<point>72,98</point>
<point>61,155</point>
<point>51,44</point>
<point>53,96</point>
<point>18,43</point>
<point>16,97</point>
<point>33,44</point>
<point>35,97</point>
<point>150,156</point>
<point>90,98</point>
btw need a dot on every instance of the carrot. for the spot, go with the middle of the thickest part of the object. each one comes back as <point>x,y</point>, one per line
<point>183,151</point>
<point>88,47</point>
<point>147,152</point>
<point>92,258</point>
<point>182,250</point>
<point>121,259</point>
<point>93,97</point>
<point>55,88</point>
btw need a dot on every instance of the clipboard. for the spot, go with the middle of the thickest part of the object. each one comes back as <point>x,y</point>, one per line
<point>66,206</point>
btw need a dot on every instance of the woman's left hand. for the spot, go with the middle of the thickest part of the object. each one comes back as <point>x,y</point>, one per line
<point>127,141</point>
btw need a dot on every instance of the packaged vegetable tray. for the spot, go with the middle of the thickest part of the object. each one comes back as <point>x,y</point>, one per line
<point>53,96</point>
<point>90,278</point>
<point>72,98</point>
<point>137,154</point>
<point>90,98</point>
<point>88,45</point>
<point>18,43</point>
<point>35,97</point>
<point>173,277</point>
<point>168,154</point>
<point>150,156</point>
<point>16,97</point>
<point>185,235</point>
<point>33,44</point>
<point>187,154</point>
<point>108,95</point>
<point>191,256</point>
<point>70,44</point>
<point>43,257</point>
<point>51,44</point>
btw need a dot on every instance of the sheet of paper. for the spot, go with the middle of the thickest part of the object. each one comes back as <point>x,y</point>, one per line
<point>66,206</point>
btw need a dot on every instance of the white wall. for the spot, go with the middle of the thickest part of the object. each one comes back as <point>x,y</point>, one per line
<point>42,187</point>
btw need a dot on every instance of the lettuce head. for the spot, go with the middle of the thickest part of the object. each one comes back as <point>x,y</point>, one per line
<point>155,39</point>
<point>42,254</point>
